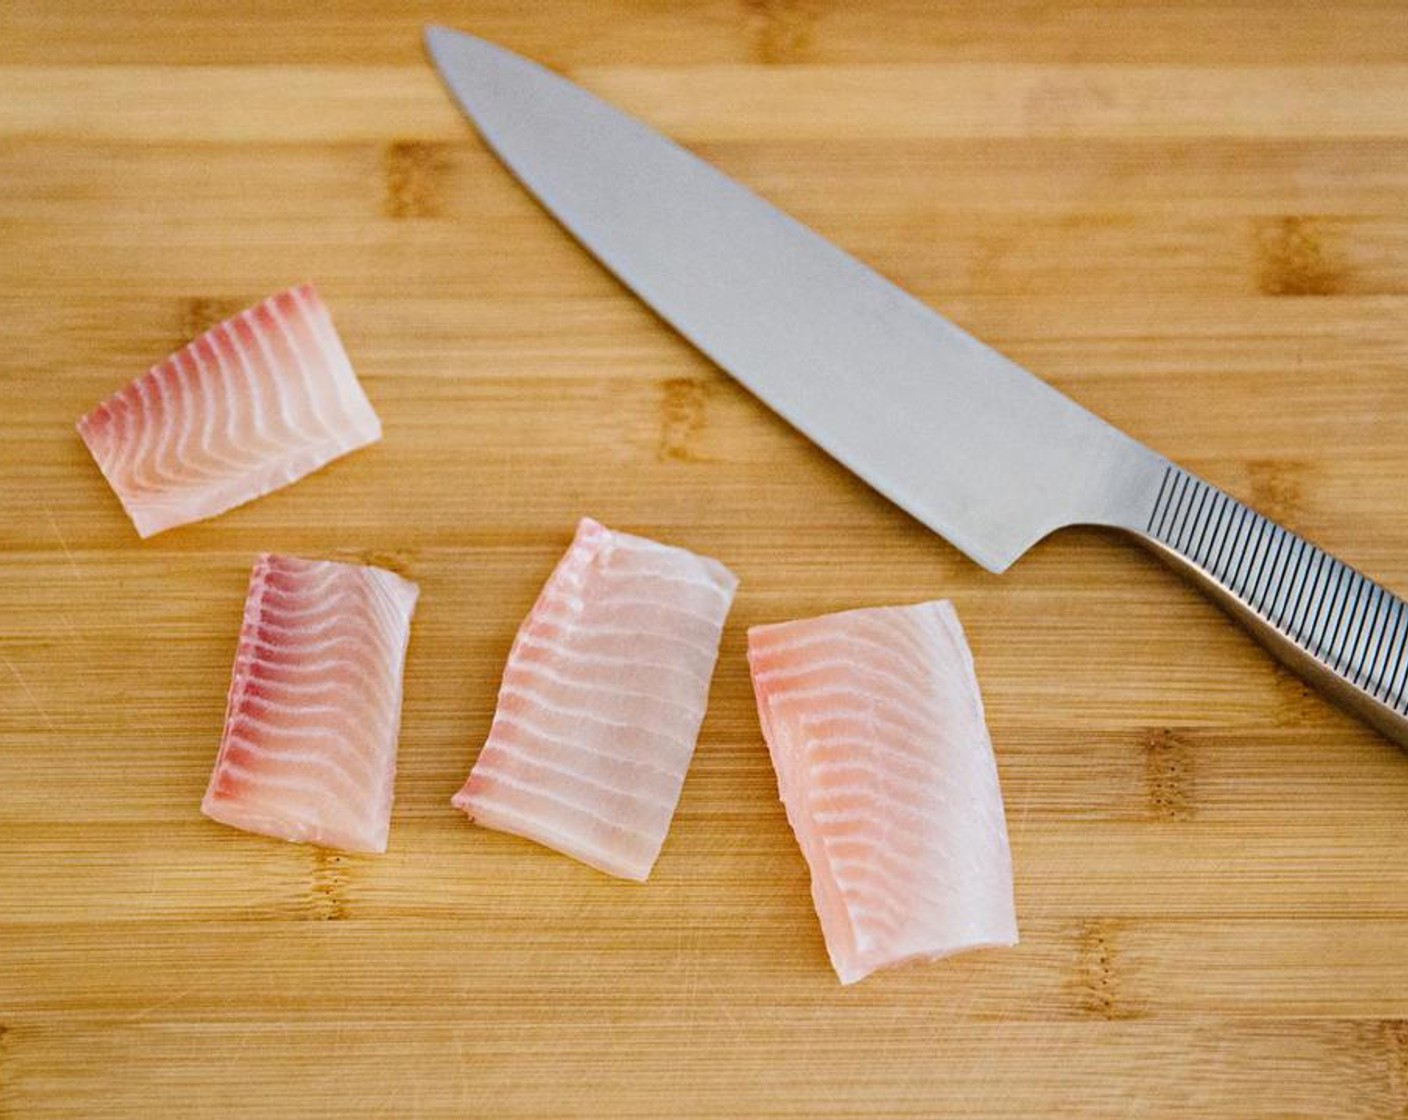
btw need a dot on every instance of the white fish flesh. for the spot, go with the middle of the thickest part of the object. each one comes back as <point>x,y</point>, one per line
<point>253,404</point>
<point>601,701</point>
<point>876,731</point>
<point>314,711</point>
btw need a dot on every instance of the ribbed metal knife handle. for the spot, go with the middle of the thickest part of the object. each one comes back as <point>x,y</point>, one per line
<point>1337,628</point>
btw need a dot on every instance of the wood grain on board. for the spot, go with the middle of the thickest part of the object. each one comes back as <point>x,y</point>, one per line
<point>1193,218</point>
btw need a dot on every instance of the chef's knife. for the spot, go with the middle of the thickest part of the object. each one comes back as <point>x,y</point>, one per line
<point>978,449</point>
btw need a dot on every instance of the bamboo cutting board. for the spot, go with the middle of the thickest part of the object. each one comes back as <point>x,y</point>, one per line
<point>1193,218</point>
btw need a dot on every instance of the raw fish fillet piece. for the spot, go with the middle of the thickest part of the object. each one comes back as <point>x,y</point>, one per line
<point>883,761</point>
<point>253,404</point>
<point>601,701</point>
<point>309,749</point>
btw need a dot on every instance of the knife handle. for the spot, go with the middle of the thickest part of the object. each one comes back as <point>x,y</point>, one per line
<point>1341,631</point>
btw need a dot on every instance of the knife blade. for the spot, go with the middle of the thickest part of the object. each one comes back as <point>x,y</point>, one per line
<point>978,449</point>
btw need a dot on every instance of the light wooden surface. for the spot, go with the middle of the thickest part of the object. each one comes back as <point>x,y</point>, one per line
<point>1192,217</point>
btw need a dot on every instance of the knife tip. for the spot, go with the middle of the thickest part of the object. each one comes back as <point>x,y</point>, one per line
<point>438,38</point>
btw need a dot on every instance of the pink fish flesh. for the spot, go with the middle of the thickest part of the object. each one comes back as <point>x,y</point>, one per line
<point>309,749</point>
<point>601,701</point>
<point>876,731</point>
<point>253,404</point>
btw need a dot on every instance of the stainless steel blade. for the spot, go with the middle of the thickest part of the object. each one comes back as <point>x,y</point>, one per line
<point>965,440</point>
